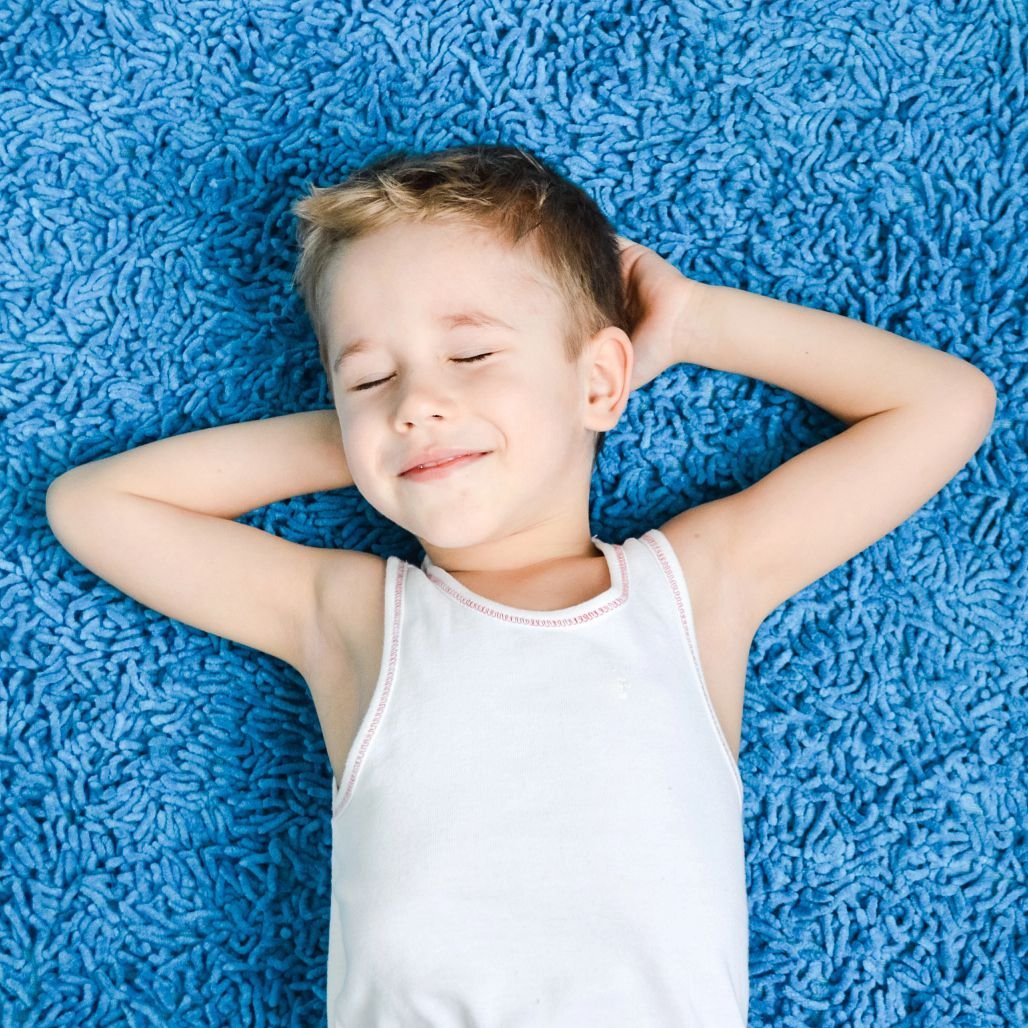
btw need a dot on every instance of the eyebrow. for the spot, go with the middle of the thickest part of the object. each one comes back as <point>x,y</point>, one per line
<point>458,319</point>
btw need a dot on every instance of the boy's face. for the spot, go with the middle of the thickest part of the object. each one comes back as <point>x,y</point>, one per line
<point>531,411</point>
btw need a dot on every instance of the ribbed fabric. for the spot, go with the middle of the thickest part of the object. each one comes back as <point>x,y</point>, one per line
<point>540,821</point>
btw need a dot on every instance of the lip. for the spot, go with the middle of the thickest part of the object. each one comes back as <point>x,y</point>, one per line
<point>440,470</point>
<point>432,454</point>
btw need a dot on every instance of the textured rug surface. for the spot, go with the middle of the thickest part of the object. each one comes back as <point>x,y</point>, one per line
<point>165,794</point>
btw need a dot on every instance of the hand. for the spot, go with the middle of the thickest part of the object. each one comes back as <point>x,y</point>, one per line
<point>662,304</point>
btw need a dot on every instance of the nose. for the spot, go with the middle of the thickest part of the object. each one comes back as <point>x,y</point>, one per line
<point>421,396</point>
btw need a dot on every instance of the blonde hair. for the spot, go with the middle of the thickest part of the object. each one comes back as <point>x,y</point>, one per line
<point>505,189</point>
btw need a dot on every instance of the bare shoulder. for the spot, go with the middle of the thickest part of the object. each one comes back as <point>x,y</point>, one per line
<point>349,588</point>
<point>701,538</point>
<point>344,645</point>
<point>724,629</point>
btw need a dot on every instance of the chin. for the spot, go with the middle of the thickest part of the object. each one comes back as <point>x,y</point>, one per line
<point>453,537</point>
<point>447,540</point>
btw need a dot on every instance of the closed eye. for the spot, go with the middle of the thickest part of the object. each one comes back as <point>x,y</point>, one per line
<point>379,381</point>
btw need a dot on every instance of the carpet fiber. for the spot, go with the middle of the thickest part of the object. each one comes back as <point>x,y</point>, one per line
<point>165,794</point>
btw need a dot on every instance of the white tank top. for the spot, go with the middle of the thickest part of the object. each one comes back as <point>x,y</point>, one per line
<point>539,822</point>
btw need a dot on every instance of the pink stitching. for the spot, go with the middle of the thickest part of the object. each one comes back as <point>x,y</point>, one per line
<point>651,540</point>
<point>540,622</point>
<point>401,574</point>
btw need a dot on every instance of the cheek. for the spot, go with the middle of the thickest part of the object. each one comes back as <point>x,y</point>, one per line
<point>516,407</point>
<point>354,432</point>
<point>527,392</point>
<point>547,397</point>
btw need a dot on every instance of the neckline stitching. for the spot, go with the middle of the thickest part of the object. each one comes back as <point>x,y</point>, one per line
<point>469,599</point>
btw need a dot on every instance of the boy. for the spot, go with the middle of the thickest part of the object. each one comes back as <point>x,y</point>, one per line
<point>534,736</point>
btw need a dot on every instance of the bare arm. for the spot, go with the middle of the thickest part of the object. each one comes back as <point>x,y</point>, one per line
<point>847,367</point>
<point>916,416</point>
<point>230,469</point>
<point>158,522</point>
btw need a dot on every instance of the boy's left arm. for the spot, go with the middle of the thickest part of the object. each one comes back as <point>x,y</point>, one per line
<point>916,416</point>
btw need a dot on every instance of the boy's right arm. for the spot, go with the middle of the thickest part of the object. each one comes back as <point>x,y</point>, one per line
<point>157,522</point>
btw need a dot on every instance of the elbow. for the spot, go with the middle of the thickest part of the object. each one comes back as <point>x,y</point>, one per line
<point>985,392</point>
<point>978,407</point>
<point>58,495</point>
<point>968,391</point>
<point>54,489</point>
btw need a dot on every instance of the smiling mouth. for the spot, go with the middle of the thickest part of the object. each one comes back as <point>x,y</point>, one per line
<point>436,470</point>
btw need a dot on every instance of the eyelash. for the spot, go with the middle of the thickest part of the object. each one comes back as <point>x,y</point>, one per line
<point>460,360</point>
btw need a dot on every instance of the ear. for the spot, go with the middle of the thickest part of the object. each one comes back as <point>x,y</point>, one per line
<point>607,375</point>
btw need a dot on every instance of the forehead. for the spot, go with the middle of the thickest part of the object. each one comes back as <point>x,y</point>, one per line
<point>431,249</point>
<point>406,276</point>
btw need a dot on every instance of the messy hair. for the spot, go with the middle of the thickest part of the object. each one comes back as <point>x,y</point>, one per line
<point>505,189</point>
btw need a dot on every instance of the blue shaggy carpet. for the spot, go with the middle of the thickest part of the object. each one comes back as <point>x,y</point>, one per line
<point>165,794</point>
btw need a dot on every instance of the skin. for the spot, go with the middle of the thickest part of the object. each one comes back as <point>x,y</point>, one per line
<point>523,510</point>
